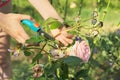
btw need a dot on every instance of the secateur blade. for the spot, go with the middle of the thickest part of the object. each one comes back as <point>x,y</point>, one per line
<point>32,26</point>
<point>43,33</point>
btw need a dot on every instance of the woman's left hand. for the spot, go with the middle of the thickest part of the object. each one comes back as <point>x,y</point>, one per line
<point>62,36</point>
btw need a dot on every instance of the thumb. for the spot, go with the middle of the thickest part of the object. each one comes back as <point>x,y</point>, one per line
<point>25,17</point>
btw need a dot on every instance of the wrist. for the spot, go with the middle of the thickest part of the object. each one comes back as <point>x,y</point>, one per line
<point>55,32</point>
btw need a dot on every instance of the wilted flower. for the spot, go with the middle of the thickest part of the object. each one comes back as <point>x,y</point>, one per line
<point>95,33</point>
<point>38,70</point>
<point>80,49</point>
<point>95,14</point>
<point>56,53</point>
<point>15,52</point>
<point>100,24</point>
<point>94,21</point>
<point>77,18</point>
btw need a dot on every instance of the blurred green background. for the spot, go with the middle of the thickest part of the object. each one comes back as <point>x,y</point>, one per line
<point>74,8</point>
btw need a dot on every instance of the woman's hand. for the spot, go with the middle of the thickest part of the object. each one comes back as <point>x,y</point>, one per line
<point>10,23</point>
<point>62,36</point>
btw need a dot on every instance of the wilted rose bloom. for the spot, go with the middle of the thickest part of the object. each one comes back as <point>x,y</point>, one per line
<point>95,33</point>
<point>56,53</point>
<point>38,70</point>
<point>81,50</point>
<point>15,52</point>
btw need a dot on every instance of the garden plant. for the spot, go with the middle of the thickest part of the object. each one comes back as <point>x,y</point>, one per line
<point>93,55</point>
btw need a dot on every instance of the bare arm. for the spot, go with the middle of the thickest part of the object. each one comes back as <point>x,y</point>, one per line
<point>45,9</point>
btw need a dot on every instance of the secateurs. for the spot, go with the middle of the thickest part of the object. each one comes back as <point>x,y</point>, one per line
<point>32,26</point>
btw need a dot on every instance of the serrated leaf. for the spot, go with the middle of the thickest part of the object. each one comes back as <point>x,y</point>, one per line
<point>27,53</point>
<point>36,39</point>
<point>72,60</point>
<point>37,57</point>
<point>52,23</point>
<point>81,73</point>
<point>64,71</point>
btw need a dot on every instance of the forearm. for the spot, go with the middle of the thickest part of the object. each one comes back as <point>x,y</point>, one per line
<point>45,9</point>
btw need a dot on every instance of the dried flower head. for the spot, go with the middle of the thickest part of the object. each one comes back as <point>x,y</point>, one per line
<point>15,52</point>
<point>38,70</point>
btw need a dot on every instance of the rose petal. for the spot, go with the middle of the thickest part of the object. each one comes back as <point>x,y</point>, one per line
<point>82,50</point>
<point>10,50</point>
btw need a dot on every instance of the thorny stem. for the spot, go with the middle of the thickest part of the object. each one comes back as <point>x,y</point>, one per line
<point>52,46</point>
<point>77,25</point>
<point>80,24</point>
<point>114,59</point>
<point>65,14</point>
<point>80,7</point>
<point>42,50</point>
<point>105,12</point>
<point>38,48</point>
<point>43,47</point>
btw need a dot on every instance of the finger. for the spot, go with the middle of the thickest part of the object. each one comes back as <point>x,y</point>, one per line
<point>63,28</point>
<point>25,37</point>
<point>22,35</point>
<point>60,38</point>
<point>70,36</point>
<point>26,17</point>
<point>67,40</point>
<point>67,34</point>
<point>21,39</point>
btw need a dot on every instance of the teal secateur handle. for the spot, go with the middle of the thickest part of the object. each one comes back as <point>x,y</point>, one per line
<point>32,26</point>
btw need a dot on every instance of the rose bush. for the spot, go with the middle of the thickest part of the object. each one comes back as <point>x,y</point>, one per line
<point>80,49</point>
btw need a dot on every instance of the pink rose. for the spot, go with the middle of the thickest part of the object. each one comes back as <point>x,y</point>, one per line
<point>81,50</point>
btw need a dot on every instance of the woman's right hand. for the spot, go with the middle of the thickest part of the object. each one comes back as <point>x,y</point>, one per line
<point>10,23</point>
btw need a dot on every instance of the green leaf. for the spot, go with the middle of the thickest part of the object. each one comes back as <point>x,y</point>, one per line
<point>37,57</point>
<point>27,53</point>
<point>51,67</point>
<point>36,39</point>
<point>72,60</point>
<point>53,23</point>
<point>64,71</point>
<point>42,78</point>
<point>82,73</point>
